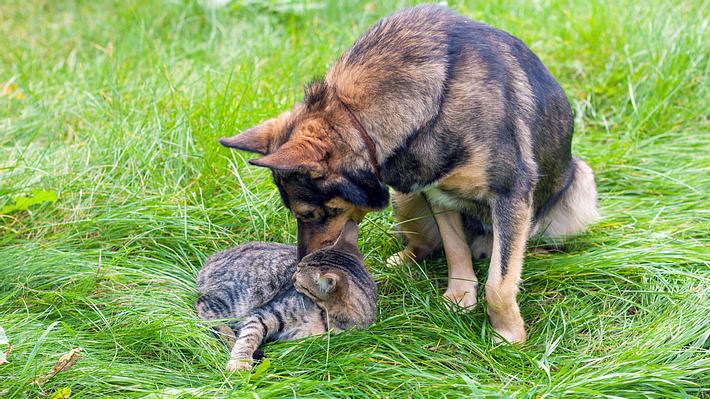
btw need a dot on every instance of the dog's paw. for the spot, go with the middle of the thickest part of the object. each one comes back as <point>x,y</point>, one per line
<point>508,325</point>
<point>238,365</point>
<point>512,335</point>
<point>462,297</point>
<point>400,258</point>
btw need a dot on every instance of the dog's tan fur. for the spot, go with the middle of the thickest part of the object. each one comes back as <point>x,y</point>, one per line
<point>468,127</point>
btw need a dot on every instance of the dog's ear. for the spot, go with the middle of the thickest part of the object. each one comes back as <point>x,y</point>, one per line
<point>293,157</point>
<point>258,138</point>
<point>347,240</point>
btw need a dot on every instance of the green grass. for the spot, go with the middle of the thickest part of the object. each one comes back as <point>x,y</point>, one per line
<point>116,107</point>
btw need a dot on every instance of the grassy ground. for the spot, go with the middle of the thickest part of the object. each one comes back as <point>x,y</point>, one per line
<point>115,107</point>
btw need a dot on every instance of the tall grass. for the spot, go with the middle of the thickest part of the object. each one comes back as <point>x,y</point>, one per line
<point>116,107</point>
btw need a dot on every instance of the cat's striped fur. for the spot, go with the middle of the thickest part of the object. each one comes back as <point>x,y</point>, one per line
<point>269,296</point>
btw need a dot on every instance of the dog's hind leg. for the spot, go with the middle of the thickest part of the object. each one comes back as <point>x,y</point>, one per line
<point>511,224</point>
<point>415,221</point>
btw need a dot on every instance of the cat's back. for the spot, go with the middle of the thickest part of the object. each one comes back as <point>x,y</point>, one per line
<point>234,281</point>
<point>246,261</point>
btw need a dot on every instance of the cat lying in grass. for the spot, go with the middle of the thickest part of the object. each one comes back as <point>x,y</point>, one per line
<point>275,298</point>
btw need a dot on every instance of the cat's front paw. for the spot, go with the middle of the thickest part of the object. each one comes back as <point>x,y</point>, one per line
<point>238,364</point>
<point>512,335</point>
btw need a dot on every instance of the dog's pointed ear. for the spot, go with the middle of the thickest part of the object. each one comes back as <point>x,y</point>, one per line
<point>348,237</point>
<point>254,139</point>
<point>292,157</point>
<point>258,138</point>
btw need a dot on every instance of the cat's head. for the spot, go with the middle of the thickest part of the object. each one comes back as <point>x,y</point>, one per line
<point>336,279</point>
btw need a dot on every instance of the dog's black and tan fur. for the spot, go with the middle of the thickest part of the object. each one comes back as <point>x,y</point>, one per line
<point>466,124</point>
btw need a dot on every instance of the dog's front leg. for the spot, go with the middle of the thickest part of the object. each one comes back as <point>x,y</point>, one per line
<point>415,220</point>
<point>462,285</point>
<point>511,225</point>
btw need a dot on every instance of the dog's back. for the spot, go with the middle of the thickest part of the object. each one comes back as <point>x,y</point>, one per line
<point>450,96</point>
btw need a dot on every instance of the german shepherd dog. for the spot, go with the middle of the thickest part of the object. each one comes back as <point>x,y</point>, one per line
<point>468,127</point>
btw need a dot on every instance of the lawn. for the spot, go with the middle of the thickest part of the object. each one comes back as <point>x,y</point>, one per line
<point>114,190</point>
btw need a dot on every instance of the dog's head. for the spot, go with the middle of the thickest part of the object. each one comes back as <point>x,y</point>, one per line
<point>319,166</point>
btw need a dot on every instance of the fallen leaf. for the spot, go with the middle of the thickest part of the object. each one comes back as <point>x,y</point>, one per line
<point>61,393</point>
<point>4,341</point>
<point>260,370</point>
<point>22,203</point>
<point>11,90</point>
<point>64,363</point>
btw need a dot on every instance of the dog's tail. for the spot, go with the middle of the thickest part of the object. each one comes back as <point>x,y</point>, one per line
<point>575,206</point>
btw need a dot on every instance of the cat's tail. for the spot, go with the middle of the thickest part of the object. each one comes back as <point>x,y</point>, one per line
<point>210,307</point>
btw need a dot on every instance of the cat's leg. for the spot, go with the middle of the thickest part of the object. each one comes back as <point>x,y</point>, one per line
<point>252,332</point>
<point>511,225</point>
<point>462,287</point>
<point>415,221</point>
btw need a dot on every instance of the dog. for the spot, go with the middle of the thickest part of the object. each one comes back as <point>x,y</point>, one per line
<point>463,122</point>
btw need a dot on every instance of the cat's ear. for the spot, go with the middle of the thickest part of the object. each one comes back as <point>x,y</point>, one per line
<point>347,240</point>
<point>328,281</point>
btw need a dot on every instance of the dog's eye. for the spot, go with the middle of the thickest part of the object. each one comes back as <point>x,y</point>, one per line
<point>330,211</point>
<point>310,216</point>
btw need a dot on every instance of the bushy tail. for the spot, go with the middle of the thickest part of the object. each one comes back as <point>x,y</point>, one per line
<point>577,206</point>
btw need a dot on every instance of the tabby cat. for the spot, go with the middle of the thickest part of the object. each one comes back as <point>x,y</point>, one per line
<point>276,298</point>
